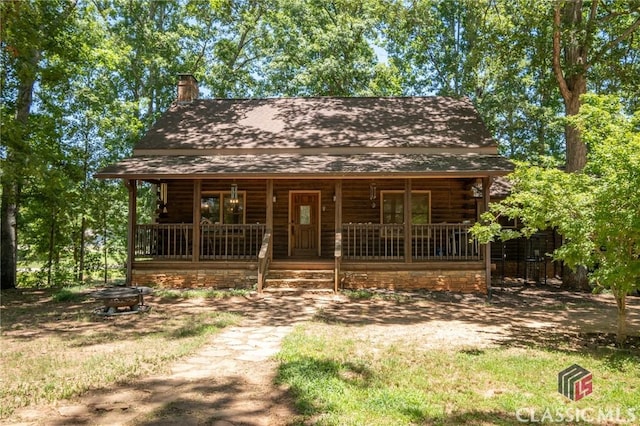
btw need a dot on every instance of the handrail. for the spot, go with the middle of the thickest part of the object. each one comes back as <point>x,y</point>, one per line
<point>337,253</point>
<point>263,260</point>
<point>429,242</point>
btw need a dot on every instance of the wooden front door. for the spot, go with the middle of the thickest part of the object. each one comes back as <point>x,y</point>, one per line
<point>304,219</point>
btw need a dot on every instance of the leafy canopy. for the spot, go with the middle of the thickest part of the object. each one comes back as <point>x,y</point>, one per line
<point>596,211</point>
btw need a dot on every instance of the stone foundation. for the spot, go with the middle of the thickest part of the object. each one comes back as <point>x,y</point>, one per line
<point>455,280</point>
<point>216,278</point>
<point>460,281</point>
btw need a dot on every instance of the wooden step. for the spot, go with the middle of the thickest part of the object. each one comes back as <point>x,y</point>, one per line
<point>306,265</point>
<point>296,290</point>
<point>300,279</point>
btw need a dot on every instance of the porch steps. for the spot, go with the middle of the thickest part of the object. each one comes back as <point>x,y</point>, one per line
<point>299,279</point>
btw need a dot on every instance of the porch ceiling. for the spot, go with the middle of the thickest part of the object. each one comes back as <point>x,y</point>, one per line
<point>300,166</point>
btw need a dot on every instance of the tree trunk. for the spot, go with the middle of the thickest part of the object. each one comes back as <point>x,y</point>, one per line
<point>52,233</point>
<point>576,279</point>
<point>8,247</point>
<point>83,227</point>
<point>570,55</point>
<point>576,154</point>
<point>16,149</point>
<point>621,302</point>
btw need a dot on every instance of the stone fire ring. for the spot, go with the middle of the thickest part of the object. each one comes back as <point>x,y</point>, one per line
<point>114,298</point>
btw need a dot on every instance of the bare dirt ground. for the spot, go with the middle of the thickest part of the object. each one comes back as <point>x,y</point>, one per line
<point>231,380</point>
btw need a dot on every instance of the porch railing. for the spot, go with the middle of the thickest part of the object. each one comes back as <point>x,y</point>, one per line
<point>231,242</point>
<point>164,241</point>
<point>173,241</point>
<point>450,241</point>
<point>433,242</point>
<point>372,241</point>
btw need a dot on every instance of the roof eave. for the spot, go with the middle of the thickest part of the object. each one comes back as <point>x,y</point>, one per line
<point>430,174</point>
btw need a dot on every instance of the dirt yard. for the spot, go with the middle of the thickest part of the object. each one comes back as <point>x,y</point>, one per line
<point>231,380</point>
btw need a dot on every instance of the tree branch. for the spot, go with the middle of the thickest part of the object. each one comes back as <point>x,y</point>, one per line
<point>557,69</point>
<point>617,40</point>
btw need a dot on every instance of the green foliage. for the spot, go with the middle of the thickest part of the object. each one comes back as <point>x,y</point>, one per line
<point>597,211</point>
<point>67,294</point>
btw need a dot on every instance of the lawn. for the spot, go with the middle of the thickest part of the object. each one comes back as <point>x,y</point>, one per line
<point>339,377</point>
<point>67,349</point>
<point>351,359</point>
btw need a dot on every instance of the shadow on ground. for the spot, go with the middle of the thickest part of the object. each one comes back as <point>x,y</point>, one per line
<point>519,315</point>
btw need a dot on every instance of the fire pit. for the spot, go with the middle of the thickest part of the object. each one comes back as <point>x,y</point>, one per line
<point>114,298</point>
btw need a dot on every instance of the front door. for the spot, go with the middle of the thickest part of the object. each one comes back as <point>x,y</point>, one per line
<point>304,219</point>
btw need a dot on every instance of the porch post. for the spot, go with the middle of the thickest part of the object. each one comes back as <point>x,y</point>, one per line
<point>270,215</point>
<point>132,187</point>
<point>338,205</point>
<point>486,195</point>
<point>195,245</point>
<point>337,196</point>
<point>407,221</point>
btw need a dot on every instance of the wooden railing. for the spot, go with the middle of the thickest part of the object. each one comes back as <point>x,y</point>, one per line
<point>164,241</point>
<point>434,242</point>
<point>337,254</point>
<point>173,241</point>
<point>448,241</point>
<point>230,242</point>
<point>263,260</point>
<point>373,241</point>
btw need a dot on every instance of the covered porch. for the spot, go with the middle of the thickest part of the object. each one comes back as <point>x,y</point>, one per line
<point>368,232</point>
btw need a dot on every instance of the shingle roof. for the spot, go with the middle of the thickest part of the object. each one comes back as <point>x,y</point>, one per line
<point>294,165</point>
<point>314,136</point>
<point>319,122</point>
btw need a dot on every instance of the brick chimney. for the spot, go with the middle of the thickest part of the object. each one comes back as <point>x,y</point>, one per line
<point>187,88</point>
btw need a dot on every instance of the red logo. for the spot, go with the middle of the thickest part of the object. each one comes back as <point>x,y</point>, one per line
<point>575,382</point>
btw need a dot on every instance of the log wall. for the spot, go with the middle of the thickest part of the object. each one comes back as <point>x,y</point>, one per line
<point>451,201</point>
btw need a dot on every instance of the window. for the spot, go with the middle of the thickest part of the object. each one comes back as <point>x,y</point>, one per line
<point>392,207</point>
<point>219,207</point>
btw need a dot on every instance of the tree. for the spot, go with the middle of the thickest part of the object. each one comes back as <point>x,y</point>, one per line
<point>583,36</point>
<point>36,38</point>
<point>323,49</point>
<point>597,211</point>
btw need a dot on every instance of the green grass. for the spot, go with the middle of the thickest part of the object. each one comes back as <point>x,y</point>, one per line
<point>57,362</point>
<point>364,294</point>
<point>69,294</point>
<point>204,293</point>
<point>338,378</point>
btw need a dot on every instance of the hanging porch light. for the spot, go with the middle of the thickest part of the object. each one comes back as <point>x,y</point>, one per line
<point>372,194</point>
<point>163,197</point>
<point>234,194</point>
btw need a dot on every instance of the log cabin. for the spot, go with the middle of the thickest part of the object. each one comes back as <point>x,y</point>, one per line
<point>319,192</point>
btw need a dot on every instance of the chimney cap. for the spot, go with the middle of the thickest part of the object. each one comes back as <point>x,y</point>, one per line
<point>186,74</point>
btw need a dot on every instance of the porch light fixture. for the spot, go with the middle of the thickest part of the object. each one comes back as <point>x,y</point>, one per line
<point>163,197</point>
<point>372,194</point>
<point>274,199</point>
<point>234,194</point>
